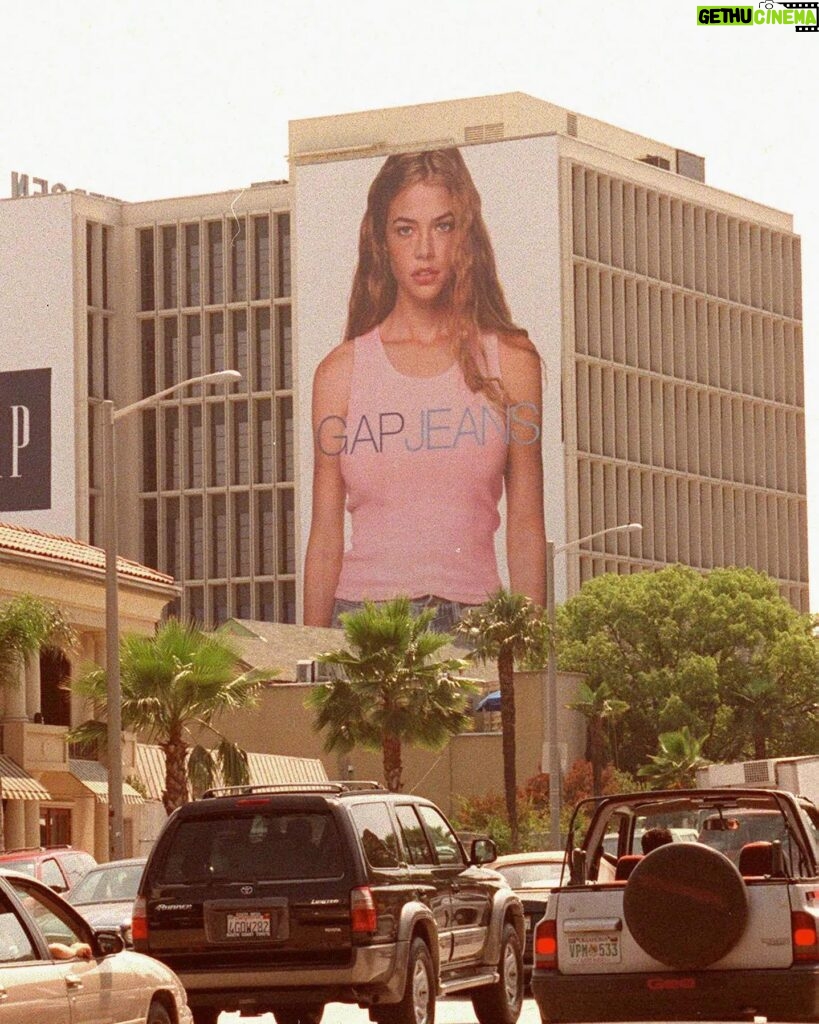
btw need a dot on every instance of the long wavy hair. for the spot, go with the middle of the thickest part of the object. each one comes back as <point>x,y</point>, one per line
<point>474,296</point>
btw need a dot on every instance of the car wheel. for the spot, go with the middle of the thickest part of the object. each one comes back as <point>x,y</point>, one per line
<point>157,1014</point>
<point>417,1005</point>
<point>299,1014</point>
<point>686,905</point>
<point>500,1003</point>
<point>205,1015</point>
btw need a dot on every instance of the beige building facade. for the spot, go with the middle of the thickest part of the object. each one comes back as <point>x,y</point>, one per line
<point>670,330</point>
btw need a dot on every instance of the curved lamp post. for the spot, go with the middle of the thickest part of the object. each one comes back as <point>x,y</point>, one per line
<point>550,692</point>
<point>113,688</point>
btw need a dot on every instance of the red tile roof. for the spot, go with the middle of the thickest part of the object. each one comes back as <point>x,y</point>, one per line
<point>26,541</point>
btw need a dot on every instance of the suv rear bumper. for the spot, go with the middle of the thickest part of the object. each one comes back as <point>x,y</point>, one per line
<point>375,975</point>
<point>791,994</point>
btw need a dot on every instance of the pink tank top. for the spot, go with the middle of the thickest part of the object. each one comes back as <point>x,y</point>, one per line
<point>423,460</point>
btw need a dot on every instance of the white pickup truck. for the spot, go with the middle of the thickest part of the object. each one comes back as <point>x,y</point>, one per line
<point>723,928</point>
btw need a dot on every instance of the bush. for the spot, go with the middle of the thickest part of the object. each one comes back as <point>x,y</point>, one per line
<point>486,814</point>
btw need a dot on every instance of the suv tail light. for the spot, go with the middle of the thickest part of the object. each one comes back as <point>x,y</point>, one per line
<point>363,916</point>
<point>139,920</point>
<point>545,945</point>
<point>804,937</point>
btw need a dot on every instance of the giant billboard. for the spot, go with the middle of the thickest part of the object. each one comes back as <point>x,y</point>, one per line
<point>428,339</point>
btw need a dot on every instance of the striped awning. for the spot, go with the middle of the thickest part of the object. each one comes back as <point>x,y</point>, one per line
<point>94,776</point>
<point>17,784</point>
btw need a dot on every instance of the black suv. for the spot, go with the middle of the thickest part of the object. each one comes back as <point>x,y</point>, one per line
<point>284,898</point>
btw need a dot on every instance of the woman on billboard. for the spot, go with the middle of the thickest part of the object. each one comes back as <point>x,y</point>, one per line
<point>428,409</point>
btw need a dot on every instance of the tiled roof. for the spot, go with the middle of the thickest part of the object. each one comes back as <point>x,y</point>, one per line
<point>26,541</point>
<point>280,646</point>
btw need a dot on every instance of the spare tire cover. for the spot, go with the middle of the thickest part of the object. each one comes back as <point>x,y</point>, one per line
<point>686,905</point>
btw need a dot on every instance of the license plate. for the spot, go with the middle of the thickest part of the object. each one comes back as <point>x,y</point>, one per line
<point>593,949</point>
<point>252,924</point>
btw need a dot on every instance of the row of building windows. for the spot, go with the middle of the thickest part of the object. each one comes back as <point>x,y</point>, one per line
<point>695,522</point>
<point>213,604</point>
<point>212,443</point>
<point>243,534</point>
<point>624,225</point>
<point>659,329</point>
<point>213,262</point>
<point>638,418</point>
<point>258,342</point>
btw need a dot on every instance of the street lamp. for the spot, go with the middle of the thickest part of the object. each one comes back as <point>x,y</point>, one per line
<point>113,688</point>
<point>550,692</point>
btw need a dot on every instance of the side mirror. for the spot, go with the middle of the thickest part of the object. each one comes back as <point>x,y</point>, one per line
<point>483,851</point>
<point>577,875</point>
<point>108,942</point>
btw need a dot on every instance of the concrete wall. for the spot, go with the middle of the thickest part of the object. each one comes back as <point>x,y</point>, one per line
<point>470,764</point>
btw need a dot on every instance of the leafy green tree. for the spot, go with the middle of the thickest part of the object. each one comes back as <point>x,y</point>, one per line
<point>722,653</point>
<point>392,687</point>
<point>675,766</point>
<point>508,628</point>
<point>599,709</point>
<point>27,626</point>
<point>173,684</point>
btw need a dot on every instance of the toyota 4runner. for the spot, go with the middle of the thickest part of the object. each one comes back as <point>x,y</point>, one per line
<point>724,928</point>
<point>285,898</point>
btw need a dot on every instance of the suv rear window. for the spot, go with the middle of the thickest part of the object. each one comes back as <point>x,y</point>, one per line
<point>262,846</point>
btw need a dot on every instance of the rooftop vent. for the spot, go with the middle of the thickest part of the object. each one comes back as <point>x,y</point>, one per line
<point>483,132</point>
<point>758,773</point>
<point>656,161</point>
<point>306,671</point>
<point>571,124</point>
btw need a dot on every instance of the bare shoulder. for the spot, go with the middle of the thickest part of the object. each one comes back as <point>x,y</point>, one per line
<point>336,367</point>
<point>520,363</point>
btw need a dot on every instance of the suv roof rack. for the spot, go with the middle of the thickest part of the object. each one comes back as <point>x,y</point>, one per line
<point>343,786</point>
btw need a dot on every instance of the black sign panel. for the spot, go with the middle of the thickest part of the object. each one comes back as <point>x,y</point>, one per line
<point>25,440</point>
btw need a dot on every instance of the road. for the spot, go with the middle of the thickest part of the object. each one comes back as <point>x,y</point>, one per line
<point>449,1011</point>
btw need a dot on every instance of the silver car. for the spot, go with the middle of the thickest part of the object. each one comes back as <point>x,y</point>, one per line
<point>105,894</point>
<point>55,967</point>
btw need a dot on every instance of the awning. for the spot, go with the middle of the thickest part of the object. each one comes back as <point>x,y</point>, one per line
<point>489,702</point>
<point>17,784</point>
<point>94,776</point>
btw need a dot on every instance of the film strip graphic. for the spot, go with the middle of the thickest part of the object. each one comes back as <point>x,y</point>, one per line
<point>803,7</point>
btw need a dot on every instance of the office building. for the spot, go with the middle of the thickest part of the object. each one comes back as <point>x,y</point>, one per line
<point>667,314</point>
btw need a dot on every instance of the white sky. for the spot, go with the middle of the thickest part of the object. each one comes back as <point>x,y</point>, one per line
<point>143,100</point>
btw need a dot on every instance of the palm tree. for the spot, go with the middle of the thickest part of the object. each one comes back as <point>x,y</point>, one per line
<point>506,629</point>
<point>27,626</point>
<point>675,766</point>
<point>598,707</point>
<point>172,683</point>
<point>391,688</point>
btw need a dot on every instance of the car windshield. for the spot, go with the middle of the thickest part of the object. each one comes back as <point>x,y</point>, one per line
<point>107,885</point>
<point>264,845</point>
<point>534,875</point>
<point>25,867</point>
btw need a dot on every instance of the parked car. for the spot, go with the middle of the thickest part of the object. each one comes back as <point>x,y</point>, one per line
<point>59,867</point>
<point>532,876</point>
<point>105,895</point>
<point>284,898</point>
<point>45,977</point>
